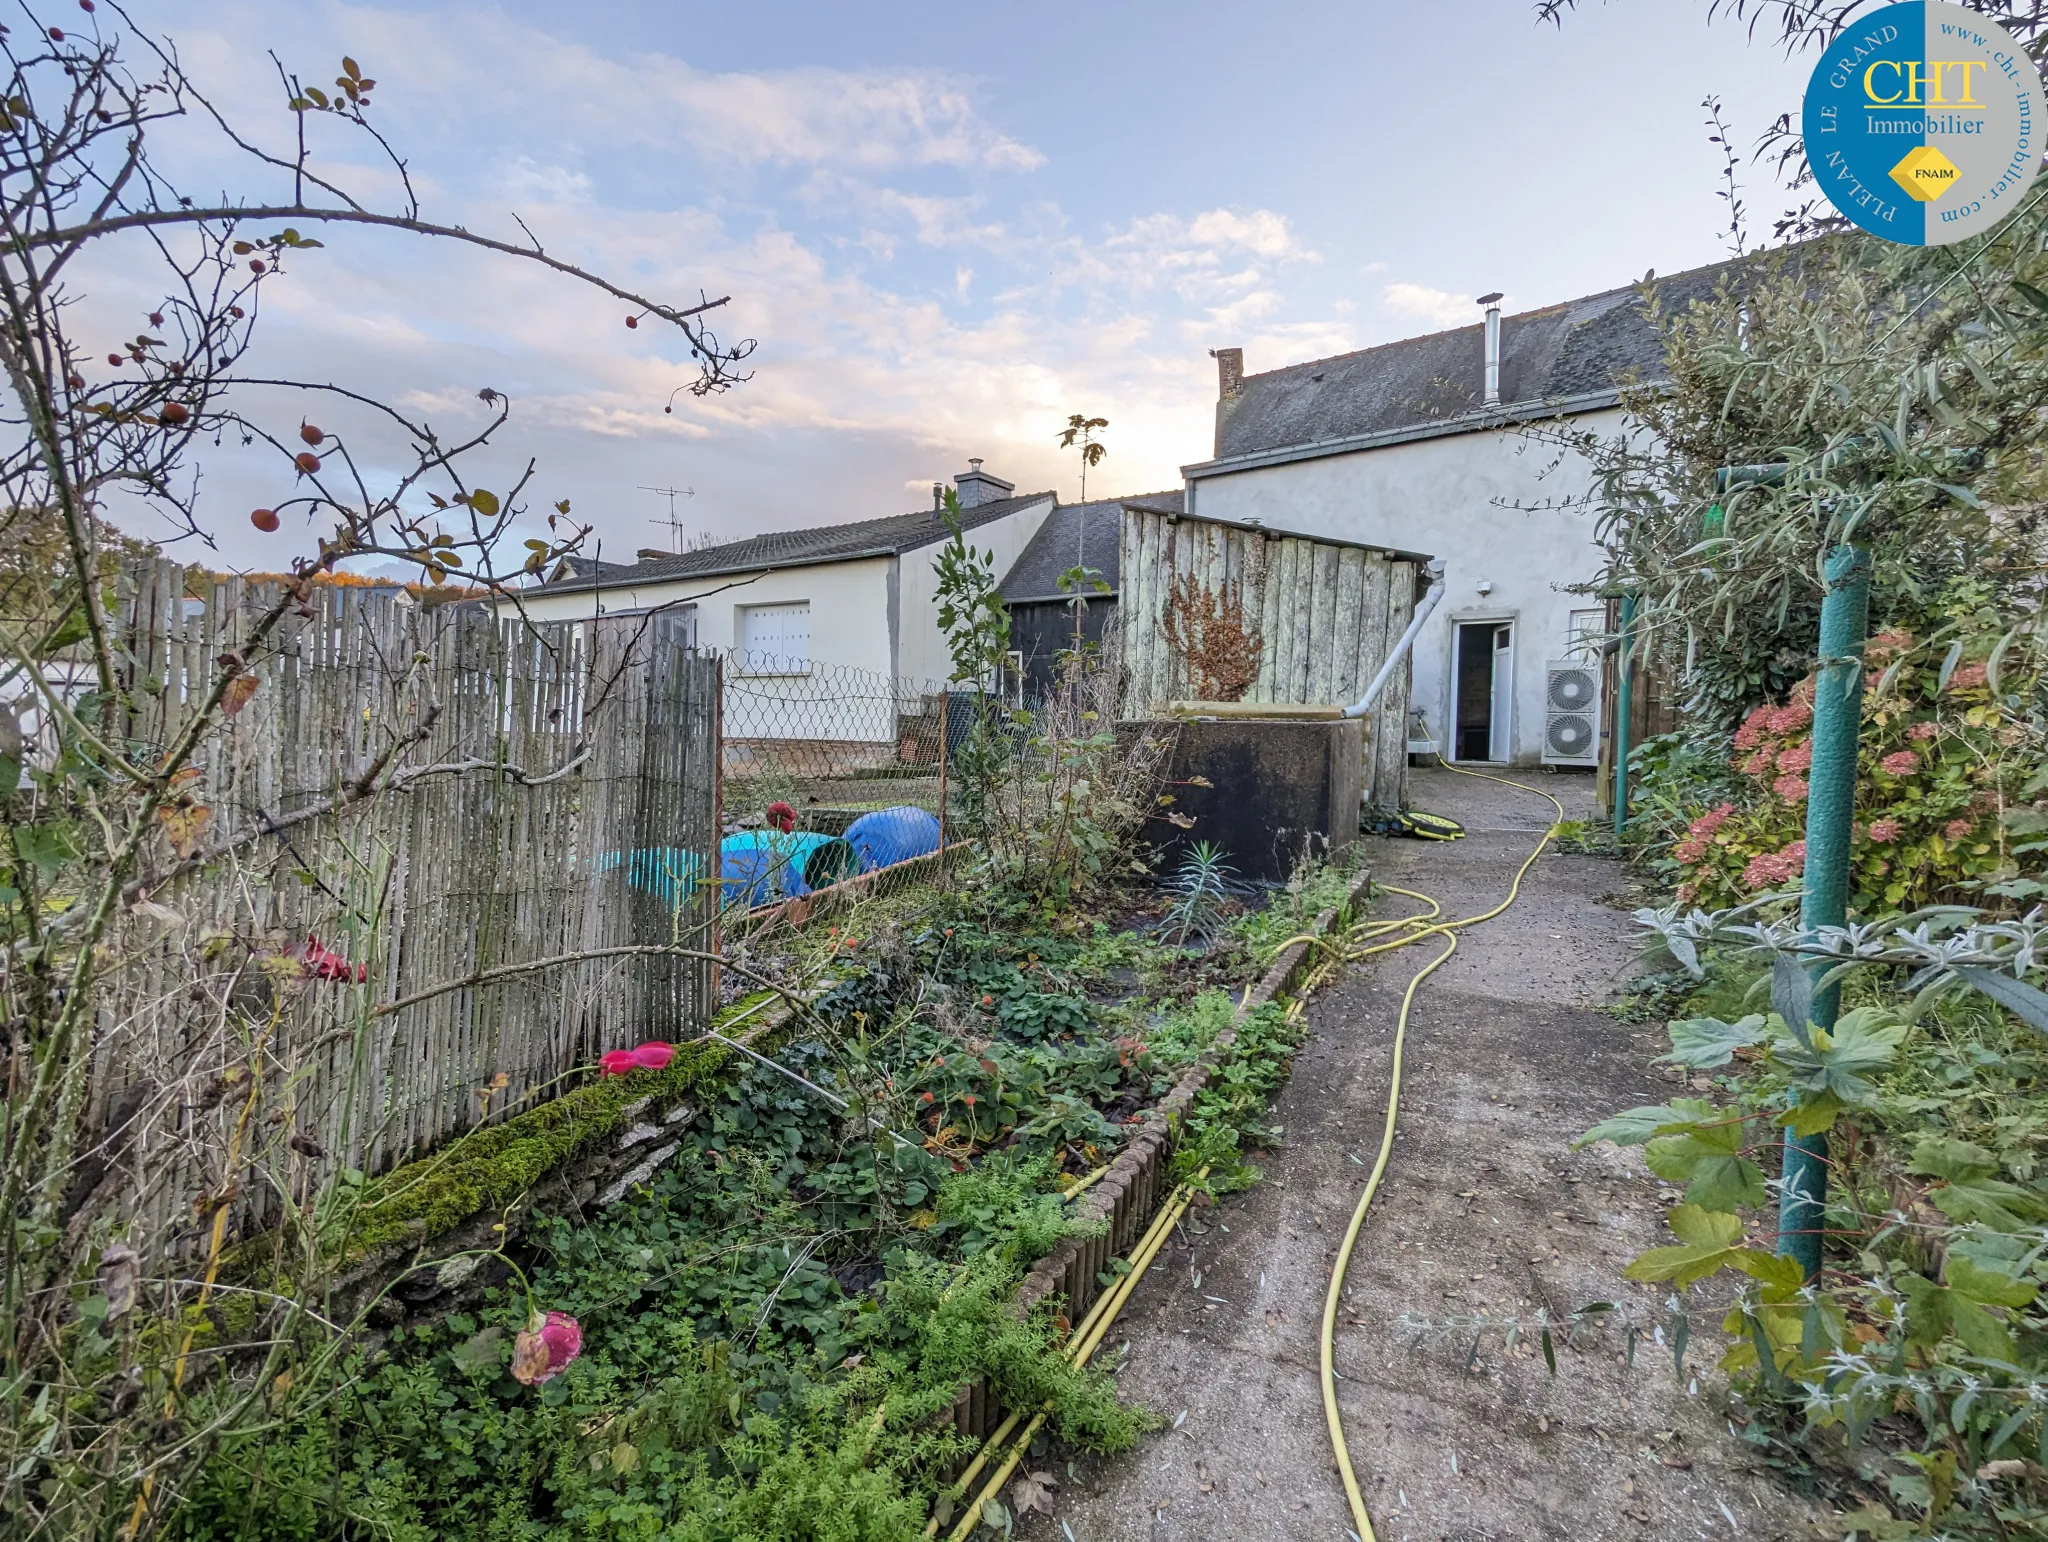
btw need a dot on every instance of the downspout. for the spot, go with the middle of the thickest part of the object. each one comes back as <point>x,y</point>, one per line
<point>1435,593</point>
<point>1624,706</point>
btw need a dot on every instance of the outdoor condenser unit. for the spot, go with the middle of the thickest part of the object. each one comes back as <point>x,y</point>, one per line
<point>1571,713</point>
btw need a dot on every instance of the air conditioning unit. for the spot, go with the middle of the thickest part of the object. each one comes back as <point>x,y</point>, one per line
<point>1571,713</point>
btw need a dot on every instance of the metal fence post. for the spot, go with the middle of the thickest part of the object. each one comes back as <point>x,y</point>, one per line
<point>1624,705</point>
<point>945,733</point>
<point>1830,813</point>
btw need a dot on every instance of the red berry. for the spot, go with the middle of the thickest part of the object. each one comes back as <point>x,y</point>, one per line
<point>174,413</point>
<point>57,33</point>
<point>156,318</point>
<point>310,434</point>
<point>85,5</point>
<point>114,359</point>
<point>76,382</point>
<point>235,311</point>
<point>264,520</point>
<point>255,264</point>
<point>632,321</point>
<point>307,463</point>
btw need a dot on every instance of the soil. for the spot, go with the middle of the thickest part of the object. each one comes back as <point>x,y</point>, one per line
<point>1487,1213</point>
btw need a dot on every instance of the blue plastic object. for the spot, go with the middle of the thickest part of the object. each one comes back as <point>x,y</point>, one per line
<point>667,872</point>
<point>893,835</point>
<point>759,867</point>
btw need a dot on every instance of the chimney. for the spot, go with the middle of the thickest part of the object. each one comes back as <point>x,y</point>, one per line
<point>976,486</point>
<point>654,554</point>
<point>1492,304</point>
<point>938,499</point>
<point>1229,372</point>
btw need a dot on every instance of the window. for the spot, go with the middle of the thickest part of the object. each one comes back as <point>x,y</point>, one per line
<point>776,639</point>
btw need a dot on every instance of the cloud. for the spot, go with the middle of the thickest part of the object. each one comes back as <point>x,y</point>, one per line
<point>1436,305</point>
<point>885,358</point>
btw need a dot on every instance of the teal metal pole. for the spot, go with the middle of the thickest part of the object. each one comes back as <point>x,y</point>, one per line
<point>1623,703</point>
<point>1830,813</point>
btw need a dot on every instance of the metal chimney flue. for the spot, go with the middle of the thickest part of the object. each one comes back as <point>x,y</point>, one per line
<point>1492,304</point>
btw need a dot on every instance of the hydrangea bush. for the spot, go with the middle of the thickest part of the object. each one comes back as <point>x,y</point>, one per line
<point>1946,764</point>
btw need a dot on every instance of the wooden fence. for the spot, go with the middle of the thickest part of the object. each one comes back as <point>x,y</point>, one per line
<point>1325,614</point>
<point>414,807</point>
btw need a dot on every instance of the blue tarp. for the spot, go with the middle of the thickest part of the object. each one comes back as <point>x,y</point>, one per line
<point>893,835</point>
<point>762,866</point>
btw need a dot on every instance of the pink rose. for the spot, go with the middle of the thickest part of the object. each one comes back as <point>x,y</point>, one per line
<point>1884,831</point>
<point>1900,763</point>
<point>546,1346</point>
<point>1791,788</point>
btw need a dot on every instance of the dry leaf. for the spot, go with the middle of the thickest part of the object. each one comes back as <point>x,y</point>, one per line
<point>234,696</point>
<point>186,827</point>
<point>1032,1493</point>
<point>2006,1467</point>
<point>120,1274</point>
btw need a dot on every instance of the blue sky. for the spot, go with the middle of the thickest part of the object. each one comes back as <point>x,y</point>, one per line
<point>950,226</point>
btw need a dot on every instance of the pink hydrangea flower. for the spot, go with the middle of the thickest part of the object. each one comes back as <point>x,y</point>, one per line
<point>1884,831</point>
<point>1968,678</point>
<point>1791,788</point>
<point>1774,867</point>
<point>1703,827</point>
<point>545,1347</point>
<point>1690,850</point>
<point>1888,642</point>
<point>1797,758</point>
<point>1956,829</point>
<point>1754,728</point>
<point>1791,717</point>
<point>1923,732</point>
<point>1900,763</point>
<point>1762,763</point>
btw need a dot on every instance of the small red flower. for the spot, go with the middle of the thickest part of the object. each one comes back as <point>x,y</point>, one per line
<point>616,1062</point>
<point>925,1098</point>
<point>968,1100</point>
<point>543,1351</point>
<point>988,1001</point>
<point>782,816</point>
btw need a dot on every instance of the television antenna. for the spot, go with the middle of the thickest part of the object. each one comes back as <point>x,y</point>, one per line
<point>675,526</point>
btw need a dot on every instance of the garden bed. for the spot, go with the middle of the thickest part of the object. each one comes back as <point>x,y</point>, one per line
<point>788,1311</point>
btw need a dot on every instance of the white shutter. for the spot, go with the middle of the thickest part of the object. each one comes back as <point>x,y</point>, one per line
<point>776,639</point>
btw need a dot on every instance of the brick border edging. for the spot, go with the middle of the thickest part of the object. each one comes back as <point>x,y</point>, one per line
<point>1128,1195</point>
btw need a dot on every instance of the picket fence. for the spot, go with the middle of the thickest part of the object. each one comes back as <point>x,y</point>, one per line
<point>301,1000</point>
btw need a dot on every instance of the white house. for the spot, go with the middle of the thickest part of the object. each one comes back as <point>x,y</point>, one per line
<point>1422,445</point>
<point>813,620</point>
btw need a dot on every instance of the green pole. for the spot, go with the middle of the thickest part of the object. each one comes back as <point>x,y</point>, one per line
<point>1622,706</point>
<point>1830,813</point>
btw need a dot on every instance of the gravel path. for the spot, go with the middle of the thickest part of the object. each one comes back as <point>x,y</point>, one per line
<point>1486,1213</point>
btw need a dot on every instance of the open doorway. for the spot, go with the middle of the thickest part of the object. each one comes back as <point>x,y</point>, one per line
<point>1484,684</point>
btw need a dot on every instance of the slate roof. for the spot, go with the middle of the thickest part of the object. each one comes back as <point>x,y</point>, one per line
<point>1036,572</point>
<point>889,536</point>
<point>1571,357</point>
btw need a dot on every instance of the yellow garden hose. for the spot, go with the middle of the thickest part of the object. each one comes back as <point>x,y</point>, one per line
<point>1416,928</point>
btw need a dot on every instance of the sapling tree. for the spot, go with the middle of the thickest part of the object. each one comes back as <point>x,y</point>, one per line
<point>101,1423</point>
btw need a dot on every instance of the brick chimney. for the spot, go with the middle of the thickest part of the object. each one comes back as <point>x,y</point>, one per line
<point>976,486</point>
<point>1229,372</point>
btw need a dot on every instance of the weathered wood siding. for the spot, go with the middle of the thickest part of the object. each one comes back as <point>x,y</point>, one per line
<point>1325,613</point>
<point>569,802</point>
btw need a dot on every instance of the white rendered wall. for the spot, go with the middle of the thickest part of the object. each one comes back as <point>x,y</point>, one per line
<point>1443,497</point>
<point>921,652</point>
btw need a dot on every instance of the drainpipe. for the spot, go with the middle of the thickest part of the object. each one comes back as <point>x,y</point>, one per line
<point>1624,705</point>
<point>1830,812</point>
<point>1430,599</point>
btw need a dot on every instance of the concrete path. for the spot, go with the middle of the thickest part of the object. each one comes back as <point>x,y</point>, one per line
<point>1486,1214</point>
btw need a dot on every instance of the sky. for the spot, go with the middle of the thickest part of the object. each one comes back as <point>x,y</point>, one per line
<point>948,226</point>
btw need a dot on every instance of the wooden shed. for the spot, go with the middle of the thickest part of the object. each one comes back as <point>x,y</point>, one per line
<point>1318,617</point>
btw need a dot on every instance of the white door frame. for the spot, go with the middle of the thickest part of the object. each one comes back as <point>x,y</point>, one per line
<point>1501,733</point>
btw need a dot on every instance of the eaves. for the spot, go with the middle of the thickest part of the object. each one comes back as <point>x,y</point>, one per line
<point>1351,444</point>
